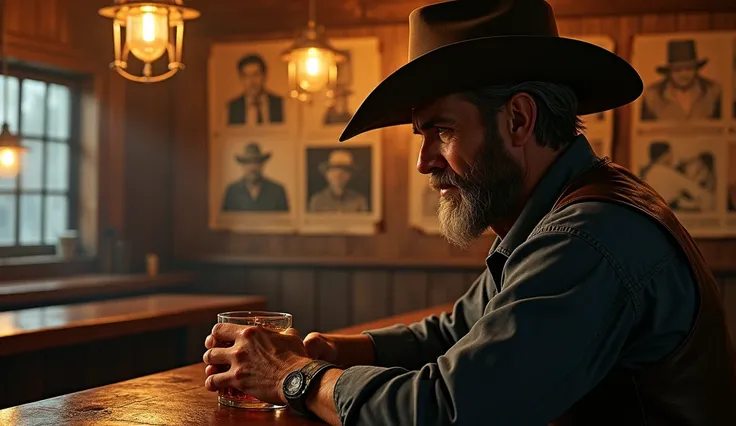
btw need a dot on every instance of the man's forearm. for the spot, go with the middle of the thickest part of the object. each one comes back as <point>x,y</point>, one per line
<point>321,400</point>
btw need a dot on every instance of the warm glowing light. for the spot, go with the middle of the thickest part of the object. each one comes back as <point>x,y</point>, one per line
<point>147,32</point>
<point>9,164</point>
<point>313,68</point>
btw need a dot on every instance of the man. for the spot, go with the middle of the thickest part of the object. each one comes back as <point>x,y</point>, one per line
<point>683,94</point>
<point>678,190</point>
<point>596,307</point>
<point>338,112</point>
<point>256,106</point>
<point>253,192</point>
<point>337,197</point>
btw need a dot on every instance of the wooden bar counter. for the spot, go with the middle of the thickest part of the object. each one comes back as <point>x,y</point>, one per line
<point>55,350</point>
<point>175,397</point>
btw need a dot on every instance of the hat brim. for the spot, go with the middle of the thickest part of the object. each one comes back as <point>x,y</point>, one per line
<point>699,63</point>
<point>601,79</point>
<point>244,160</point>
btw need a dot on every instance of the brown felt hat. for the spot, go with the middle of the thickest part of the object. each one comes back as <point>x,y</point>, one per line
<point>464,44</point>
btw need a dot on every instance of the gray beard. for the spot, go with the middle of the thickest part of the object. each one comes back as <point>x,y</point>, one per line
<point>491,191</point>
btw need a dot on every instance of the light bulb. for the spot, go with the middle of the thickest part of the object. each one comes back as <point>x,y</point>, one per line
<point>147,32</point>
<point>313,68</point>
<point>8,162</point>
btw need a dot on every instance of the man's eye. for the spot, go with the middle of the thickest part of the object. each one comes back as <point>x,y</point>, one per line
<point>443,132</point>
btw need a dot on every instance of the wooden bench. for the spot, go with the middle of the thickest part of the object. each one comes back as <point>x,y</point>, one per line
<point>173,397</point>
<point>32,293</point>
<point>54,350</point>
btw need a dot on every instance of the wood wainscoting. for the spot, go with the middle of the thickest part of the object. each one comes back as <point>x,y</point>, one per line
<point>325,296</point>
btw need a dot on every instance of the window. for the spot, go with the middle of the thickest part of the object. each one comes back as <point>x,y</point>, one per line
<point>40,204</point>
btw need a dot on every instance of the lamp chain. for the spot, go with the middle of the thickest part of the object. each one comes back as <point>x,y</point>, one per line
<point>312,11</point>
<point>5,63</point>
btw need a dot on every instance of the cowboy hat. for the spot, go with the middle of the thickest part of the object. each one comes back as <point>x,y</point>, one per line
<point>252,154</point>
<point>681,53</point>
<point>340,159</point>
<point>464,44</point>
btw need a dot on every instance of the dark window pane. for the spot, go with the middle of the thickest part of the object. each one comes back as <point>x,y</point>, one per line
<point>32,167</point>
<point>7,220</point>
<point>13,89</point>
<point>60,111</point>
<point>33,108</point>
<point>30,220</point>
<point>57,213</point>
<point>57,166</point>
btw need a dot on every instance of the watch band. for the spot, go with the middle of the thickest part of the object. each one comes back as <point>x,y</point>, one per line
<point>311,373</point>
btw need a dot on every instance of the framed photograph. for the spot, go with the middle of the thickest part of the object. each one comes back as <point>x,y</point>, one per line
<point>423,200</point>
<point>253,184</point>
<point>599,127</point>
<point>327,117</point>
<point>248,89</point>
<point>687,83</point>
<point>692,176</point>
<point>341,187</point>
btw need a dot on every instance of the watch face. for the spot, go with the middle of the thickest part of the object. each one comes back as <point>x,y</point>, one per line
<point>294,382</point>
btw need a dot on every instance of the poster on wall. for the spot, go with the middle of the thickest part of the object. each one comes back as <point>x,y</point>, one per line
<point>253,184</point>
<point>423,200</point>
<point>248,89</point>
<point>341,186</point>
<point>688,79</point>
<point>357,75</point>
<point>599,127</point>
<point>681,126</point>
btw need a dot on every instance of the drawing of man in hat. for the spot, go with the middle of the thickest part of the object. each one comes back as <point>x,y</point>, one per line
<point>337,197</point>
<point>254,192</point>
<point>595,306</point>
<point>683,94</point>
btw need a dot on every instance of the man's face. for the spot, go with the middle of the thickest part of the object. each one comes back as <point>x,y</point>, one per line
<point>253,79</point>
<point>666,159</point>
<point>253,172</point>
<point>479,181</point>
<point>683,77</point>
<point>337,177</point>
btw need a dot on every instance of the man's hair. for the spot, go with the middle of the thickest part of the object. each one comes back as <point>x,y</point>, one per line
<point>252,59</point>
<point>557,120</point>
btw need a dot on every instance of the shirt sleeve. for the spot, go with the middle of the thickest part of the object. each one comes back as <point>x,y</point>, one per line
<point>550,335</point>
<point>413,346</point>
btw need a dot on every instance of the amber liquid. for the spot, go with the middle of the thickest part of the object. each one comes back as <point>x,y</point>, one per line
<point>234,398</point>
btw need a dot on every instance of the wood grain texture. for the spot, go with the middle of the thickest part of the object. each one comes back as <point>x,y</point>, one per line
<point>35,329</point>
<point>44,292</point>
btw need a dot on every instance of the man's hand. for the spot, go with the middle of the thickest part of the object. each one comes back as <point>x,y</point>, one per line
<point>256,362</point>
<point>342,350</point>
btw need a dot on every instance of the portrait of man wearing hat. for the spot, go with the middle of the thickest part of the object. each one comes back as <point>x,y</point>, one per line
<point>595,306</point>
<point>338,112</point>
<point>683,93</point>
<point>254,192</point>
<point>337,197</point>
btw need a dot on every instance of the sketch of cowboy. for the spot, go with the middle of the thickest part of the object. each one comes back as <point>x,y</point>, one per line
<point>254,192</point>
<point>337,197</point>
<point>683,94</point>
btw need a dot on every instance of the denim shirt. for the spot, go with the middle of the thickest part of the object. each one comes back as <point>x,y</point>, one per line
<point>566,297</point>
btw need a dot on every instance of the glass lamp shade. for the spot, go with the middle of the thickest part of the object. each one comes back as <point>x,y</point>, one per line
<point>314,68</point>
<point>9,162</point>
<point>147,32</point>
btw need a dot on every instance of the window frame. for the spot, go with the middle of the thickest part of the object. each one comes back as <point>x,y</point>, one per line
<point>76,87</point>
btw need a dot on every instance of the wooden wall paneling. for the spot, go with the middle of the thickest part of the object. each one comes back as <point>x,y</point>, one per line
<point>299,295</point>
<point>447,287</point>
<point>409,291</point>
<point>728,289</point>
<point>628,27</point>
<point>334,299</point>
<point>371,295</point>
<point>723,21</point>
<point>265,282</point>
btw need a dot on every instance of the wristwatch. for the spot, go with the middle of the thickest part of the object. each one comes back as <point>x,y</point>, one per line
<point>298,383</point>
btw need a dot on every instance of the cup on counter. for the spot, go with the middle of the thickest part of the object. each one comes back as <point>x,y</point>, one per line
<point>274,321</point>
<point>67,245</point>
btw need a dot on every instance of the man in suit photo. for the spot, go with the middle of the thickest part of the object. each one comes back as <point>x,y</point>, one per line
<point>257,105</point>
<point>254,192</point>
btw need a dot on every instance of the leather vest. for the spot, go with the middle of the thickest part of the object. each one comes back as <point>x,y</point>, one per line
<point>696,384</point>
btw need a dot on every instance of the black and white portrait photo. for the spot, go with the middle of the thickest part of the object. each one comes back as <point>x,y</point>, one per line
<point>248,89</point>
<point>339,180</point>
<point>685,176</point>
<point>253,191</point>
<point>684,76</point>
<point>326,116</point>
<point>253,184</point>
<point>257,104</point>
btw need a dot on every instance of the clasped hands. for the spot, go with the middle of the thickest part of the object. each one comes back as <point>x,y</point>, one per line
<point>256,360</point>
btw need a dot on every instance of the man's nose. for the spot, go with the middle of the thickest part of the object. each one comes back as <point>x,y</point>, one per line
<point>430,159</point>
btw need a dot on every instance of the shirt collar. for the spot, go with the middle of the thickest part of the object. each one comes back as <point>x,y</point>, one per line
<point>577,157</point>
